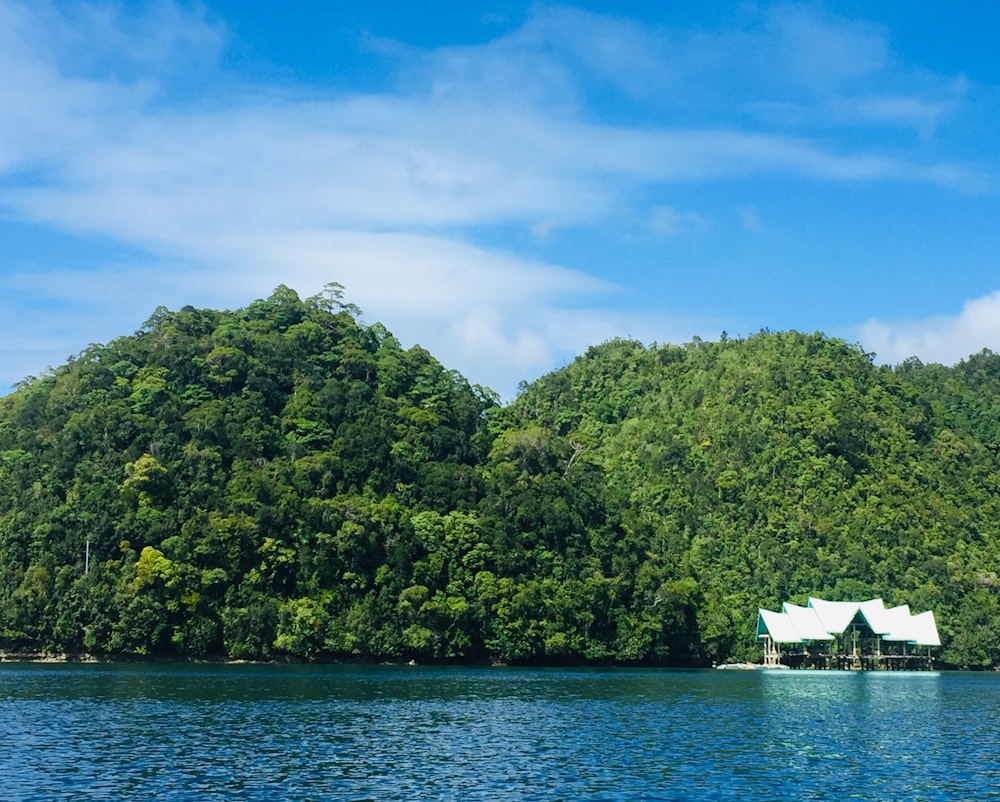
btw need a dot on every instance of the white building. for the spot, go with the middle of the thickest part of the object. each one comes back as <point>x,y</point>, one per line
<point>848,634</point>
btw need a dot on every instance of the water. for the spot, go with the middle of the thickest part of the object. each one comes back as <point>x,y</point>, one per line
<point>246,732</point>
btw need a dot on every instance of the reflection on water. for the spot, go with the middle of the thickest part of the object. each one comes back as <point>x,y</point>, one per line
<point>175,732</point>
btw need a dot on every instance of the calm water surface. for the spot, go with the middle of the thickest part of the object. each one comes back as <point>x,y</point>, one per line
<point>242,732</point>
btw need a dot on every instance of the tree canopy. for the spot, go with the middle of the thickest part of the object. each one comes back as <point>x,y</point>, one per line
<point>284,480</point>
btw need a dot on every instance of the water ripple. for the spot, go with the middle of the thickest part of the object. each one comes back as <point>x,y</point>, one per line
<point>105,732</point>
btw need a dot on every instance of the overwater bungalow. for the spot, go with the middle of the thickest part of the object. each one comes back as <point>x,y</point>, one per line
<point>847,635</point>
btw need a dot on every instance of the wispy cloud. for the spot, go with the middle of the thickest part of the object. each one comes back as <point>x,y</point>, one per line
<point>666,221</point>
<point>126,126</point>
<point>821,52</point>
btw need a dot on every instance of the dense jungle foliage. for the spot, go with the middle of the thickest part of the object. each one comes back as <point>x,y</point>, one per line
<point>285,481</point>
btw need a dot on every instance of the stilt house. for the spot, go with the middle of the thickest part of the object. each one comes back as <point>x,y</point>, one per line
<point>862,635</point>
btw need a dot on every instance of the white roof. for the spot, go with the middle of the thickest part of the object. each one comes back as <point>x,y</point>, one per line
<point>824,620</point>
<point>778,625</point>
<point>925,629</point>
<point>892,623</point>
<point>806,622</point>
<point>836,616</point>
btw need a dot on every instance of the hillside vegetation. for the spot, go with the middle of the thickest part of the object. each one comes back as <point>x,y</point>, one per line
<point>283,480</point>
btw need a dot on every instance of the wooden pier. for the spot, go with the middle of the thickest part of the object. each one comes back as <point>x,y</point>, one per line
<point>858,662</point>
<point>854,660</point>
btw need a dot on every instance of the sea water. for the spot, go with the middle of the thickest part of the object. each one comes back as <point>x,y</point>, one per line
<point>280,732</point>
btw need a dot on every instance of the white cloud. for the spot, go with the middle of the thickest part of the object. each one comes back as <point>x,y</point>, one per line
<point>496,317</point>
<point>666,221</point>
<point>823,52</point>
<point>493,316</point>
<point>114,159</point>
<point>920,113</point>
<point>945,339</point>
<point>232,188</point>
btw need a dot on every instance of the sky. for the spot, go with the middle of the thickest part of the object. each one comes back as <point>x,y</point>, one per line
<point>504,183</point>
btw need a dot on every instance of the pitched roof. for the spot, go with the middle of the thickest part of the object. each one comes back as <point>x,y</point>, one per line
<point>778,625</point>
<point>925,629</point>
<point>806,622</point>
<point>824,620</point>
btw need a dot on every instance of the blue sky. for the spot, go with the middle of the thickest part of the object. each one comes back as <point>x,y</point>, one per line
<point>504,183</point>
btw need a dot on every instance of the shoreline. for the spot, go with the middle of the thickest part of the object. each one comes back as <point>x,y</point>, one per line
<point>42,657</point>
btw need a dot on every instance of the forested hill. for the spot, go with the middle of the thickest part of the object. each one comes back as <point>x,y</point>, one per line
<point>283,480</point>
